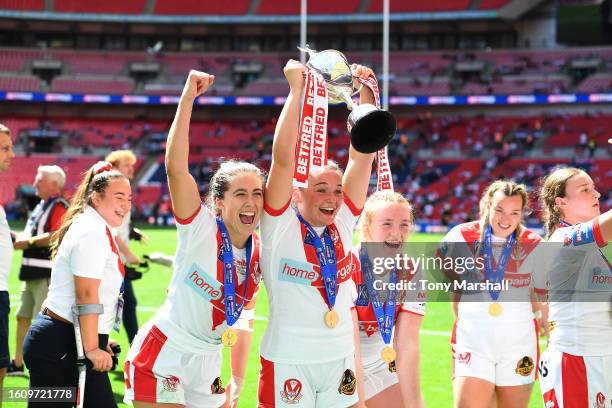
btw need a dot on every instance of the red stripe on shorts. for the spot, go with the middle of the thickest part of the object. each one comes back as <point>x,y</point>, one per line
<point>145,383</point>
<point>574,381</point>
<point>266,397</point>
<point>453,342</point>
<point>126,374</point>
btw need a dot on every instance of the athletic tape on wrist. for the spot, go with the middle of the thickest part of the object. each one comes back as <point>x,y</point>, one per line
<point>88,309</point>
<point>237,383</point>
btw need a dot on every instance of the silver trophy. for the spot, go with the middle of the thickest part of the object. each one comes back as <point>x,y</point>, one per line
<point>370,128</point>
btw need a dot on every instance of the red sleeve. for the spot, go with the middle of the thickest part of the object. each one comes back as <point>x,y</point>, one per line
<point>599,239</point>
<point>56,217</point>
<point>356,211</point>
<point>185,221</point>
<point>275,212</point>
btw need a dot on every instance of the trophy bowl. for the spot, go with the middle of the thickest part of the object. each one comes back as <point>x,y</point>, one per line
<point>370,128</point>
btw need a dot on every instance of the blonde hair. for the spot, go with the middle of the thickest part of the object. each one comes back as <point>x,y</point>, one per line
<point>554,186</point>
<point>119,155</point>
<point>220,181</point>
<point>509,189</point>
<point>91,183</point>
<point>372,203</point>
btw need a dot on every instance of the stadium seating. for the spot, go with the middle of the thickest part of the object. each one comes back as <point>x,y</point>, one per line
<point>199,7</point>
<point>412,6</point>
<point>22,5</point>
<point>115,7</point>
<point>314,7</point>
<point>492,4</point>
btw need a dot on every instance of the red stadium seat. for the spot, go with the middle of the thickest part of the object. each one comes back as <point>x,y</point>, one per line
<point>199,7</point>
<point>415,6</point>
<point>78,6</point>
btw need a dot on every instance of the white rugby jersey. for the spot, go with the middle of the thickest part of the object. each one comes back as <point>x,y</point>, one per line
<point>193,315</point>
<point>88,250</point>
<point>370,340</point>
<point>463,241</point>
<point>296,332</point>
<point>579,327</point>
<point>6,250</point>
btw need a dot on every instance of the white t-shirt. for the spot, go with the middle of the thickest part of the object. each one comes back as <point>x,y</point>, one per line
<point>296,332</point>
<point>193,315</point>
<point>370,340</point>
<point>88,250</point>
<point>578,326</point>
<point>6,250</point>
<point>462,242</point>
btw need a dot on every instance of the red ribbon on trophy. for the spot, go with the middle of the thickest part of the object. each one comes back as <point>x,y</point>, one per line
<point>384,178</point>
<point>311,149</point>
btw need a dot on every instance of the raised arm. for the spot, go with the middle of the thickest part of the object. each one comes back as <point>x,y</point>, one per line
<point>359,168</point>
<point>279,184</point>
<point>183,187</point>
<point>605,225</point>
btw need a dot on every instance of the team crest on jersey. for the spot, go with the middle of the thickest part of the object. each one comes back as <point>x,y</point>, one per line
<point>171,383</point>
<point>292,391</point>
<point>363,299</point>
<point>519,253</point>
<point>600,400</point>
<point>524,366</point>
<point>464,358</point>
<point>217,386</point>
<point>348,383</point>
<point>256,273</point>
<point>392,367</point>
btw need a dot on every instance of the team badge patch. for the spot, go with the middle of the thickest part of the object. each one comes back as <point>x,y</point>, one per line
<point>217,386</point>
<point>292,391</point>
<point>464,358</point>
<point>524,366</point>
<point>171,383</point>
<point>392,367</point>
<point>348,383</point>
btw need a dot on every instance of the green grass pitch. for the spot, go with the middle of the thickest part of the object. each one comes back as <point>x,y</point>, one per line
<point>151,289</point>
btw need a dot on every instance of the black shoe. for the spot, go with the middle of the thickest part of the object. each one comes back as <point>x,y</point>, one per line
<point>14,370</point>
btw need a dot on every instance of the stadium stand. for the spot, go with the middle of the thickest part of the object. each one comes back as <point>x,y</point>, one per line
<point>197,7</point>
<point>118,7</point>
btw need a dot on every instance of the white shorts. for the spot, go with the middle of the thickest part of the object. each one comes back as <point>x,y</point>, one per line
<point>569,381</point>
<point>325,385</point>
<point>156,372</point>
<point>377,378</point>
<point>504,354</point>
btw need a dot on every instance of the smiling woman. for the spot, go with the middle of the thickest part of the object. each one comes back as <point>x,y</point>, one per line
<point>87,276</point>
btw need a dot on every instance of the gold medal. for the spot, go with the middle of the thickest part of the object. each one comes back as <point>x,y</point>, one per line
<point>495,309</point>
<point>229,337</point>
<point>388,354</point>
<point>331,319</point>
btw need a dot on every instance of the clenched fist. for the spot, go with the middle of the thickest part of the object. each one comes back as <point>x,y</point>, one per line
<point>197,83</point>
<point>294,72</point>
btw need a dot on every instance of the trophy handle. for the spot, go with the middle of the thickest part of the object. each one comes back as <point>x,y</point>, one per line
<point>358,90</point>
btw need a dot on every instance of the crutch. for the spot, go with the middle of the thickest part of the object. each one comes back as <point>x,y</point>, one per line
<point>82,310</point>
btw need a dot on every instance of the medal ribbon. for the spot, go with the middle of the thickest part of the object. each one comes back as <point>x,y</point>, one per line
<point>383,169</point>
<point>498,275</point>
<point>384,317</point>
<point>311,149</point>
<point>326,255</point>
<point>232,308</point>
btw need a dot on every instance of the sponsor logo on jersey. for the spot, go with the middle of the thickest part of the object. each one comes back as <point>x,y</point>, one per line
<point>345,269</point>
<point>543,369</point>
<point>550,399</point>
<point>292,391</point>
<point>203,284</point>
<point>348,383</point>
<point>298,272</point>
<point>518,280</point>
<point>525,366</point>
<point>600,400</point>
<point>217,386</point>
<point>170,384</point>
<point>600,278</point>
<point>363,299</point>
<point>464,358</point>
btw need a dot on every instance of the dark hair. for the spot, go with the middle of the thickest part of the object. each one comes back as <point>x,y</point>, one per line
<point>220,181</point>
<point>91,183</point>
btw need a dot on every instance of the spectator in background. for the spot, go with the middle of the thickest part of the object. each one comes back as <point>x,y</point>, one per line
<point>6,253</point>
<point>123,161</point>
<point>35,271</point>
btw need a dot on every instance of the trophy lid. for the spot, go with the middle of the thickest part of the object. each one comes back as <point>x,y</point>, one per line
<point>335,70</point>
